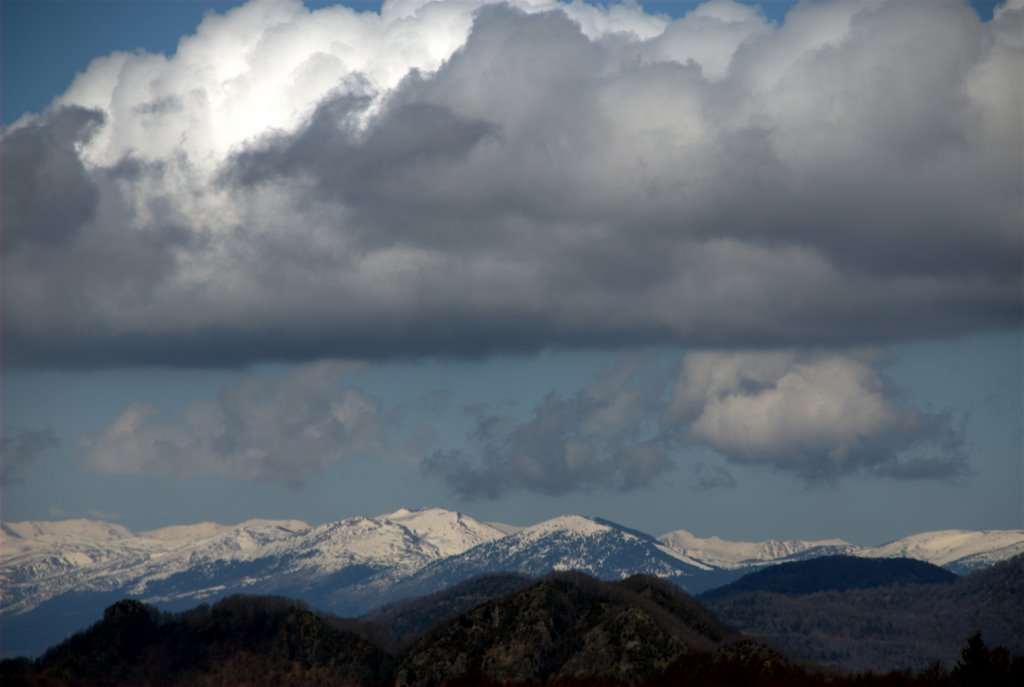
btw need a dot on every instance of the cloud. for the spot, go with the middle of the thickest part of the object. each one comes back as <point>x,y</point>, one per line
<point>816,416</point>
<point>47,192</point>
<point>600,437</point>
<point>456,179</point>
<point>284,432</point>
<point>19,448</point>
<point>712,477</point>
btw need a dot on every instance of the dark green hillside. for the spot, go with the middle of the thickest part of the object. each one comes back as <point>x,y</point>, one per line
<point>836,573</point>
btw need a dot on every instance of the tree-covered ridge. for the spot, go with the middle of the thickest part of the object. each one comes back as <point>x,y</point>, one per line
<point>886,627</point>
<point>237,641</point>
<point>837,573</point>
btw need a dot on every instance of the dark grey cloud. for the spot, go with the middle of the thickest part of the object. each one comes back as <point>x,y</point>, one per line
<point>19,448</point>
<point>564,178</point>
<point>712,477</point>
<point>374,168</point>
<point>48,194</point>
<point>599,437</point>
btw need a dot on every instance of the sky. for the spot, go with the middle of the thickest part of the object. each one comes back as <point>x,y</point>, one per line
<point>747,269</point>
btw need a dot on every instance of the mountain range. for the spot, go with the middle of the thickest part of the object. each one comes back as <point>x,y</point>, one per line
<point>58,576</point>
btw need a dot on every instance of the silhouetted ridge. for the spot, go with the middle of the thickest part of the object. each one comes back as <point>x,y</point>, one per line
<point>239,640</point>
<point>834,573</point>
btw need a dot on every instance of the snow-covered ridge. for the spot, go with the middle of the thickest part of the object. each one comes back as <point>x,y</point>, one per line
<point>206,530</point>
<point>41,560</point>
<point>728,555</point>
<point>949,547</point>
<point>91,530</point>
<point>959,550</point>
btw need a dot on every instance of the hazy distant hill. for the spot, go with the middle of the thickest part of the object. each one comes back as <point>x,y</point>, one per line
<point>886,627</point>
<point>836,573</point>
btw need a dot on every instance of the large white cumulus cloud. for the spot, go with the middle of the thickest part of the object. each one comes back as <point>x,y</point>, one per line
<point>447,177</point>
<point>819,416</point>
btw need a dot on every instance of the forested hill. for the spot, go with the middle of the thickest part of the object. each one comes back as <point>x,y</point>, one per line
<point>886,627</point>
<point>237,641</point>
<point>836,573</point>
<point>567,630</point>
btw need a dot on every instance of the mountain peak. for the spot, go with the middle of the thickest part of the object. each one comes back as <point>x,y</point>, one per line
<point>450,532</point>
<point>576,524</point>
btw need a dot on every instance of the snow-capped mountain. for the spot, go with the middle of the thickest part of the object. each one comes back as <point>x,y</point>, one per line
<point>571,542</point>
<point>56,577</point>
<point>448,532</point>
<point>958,550</point>
<point>45,560</point>
<point>732,555</point>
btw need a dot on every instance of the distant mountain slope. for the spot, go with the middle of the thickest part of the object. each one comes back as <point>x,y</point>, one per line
<point>591,545</point>
<point>957,550</point>
<point>730,555</point>
<point>834,573</point>
<point>886,628</point>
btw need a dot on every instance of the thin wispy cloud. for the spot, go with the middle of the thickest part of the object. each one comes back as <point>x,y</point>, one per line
<point>286,431</point>
<point>20,448</point>
<point>603,436</point>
